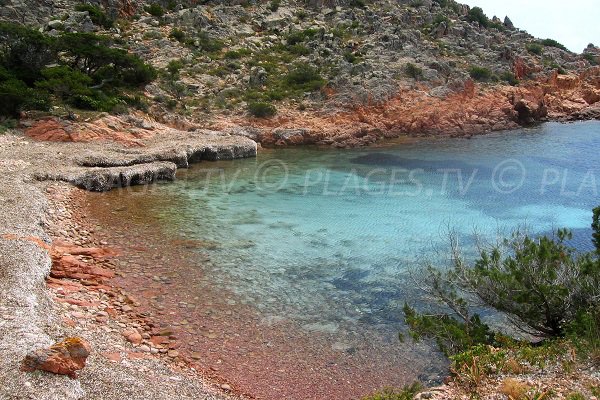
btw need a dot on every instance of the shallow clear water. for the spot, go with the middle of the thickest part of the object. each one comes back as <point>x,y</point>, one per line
<point>325,239</point>
<point>327,236</point>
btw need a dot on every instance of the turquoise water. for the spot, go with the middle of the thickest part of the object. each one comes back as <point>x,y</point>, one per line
<point>287,273</point>
<point>327,237</point>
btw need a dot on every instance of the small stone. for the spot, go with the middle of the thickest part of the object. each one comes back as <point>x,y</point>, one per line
<point>225,387</point>
<point>144,348</point>
<point>173,353</point>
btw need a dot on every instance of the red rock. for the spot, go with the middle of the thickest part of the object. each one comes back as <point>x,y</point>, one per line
<point>156,340</point>
<point>132,335</point>
<point>64,358</point>
<point>115,357</point>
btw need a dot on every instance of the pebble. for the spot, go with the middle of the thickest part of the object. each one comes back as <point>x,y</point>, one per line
<point>144,348</point>
<point>225,387</point>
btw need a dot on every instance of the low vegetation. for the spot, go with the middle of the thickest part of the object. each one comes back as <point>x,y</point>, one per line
<point>553,43</point>
<point>261,109</point>
<point>481,74</point>
<point>81,70</point>
<point>543,286</point>
<point>97,15</point>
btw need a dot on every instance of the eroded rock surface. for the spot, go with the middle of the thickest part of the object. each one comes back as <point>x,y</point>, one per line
<point>63,358</point>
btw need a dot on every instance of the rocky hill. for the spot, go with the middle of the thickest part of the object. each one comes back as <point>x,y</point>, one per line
<point>344,73</point>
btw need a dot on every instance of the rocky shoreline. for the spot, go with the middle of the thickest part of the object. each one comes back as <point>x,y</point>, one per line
<point>57,272</point>
<point>53,273</point>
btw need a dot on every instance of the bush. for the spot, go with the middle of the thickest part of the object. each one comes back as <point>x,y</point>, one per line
<point>476,14</point>
<point>7,124</point>
<point>541,284</point>
<point>155,10</point>
<point>298,37</point>
<point>97,15</point>
<point>413,71</point>
<point>88,71</point>
<point>357,3</point>
<point>178,35</point>
<point>509,77</point>
<point>274,5</point>
<point>261,110</point>
<point>553,43</point>
<point>480,74</point>
<point>25,51</point>
<point>206,43</point>
<point>65,82</point>
<point>15,97</point>
<point>406,393</point>
<point>535,48</point>
<point>591,58</point>
<point>304,77</point>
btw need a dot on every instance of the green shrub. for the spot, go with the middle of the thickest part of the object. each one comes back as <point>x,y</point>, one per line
<point>358,3</point>
<point>301,14</point>
<point>480,74</point>
<point>65,82</point>
<point>97,15</point>
<point>299,50</point>
<point>206,43</point>
<point>509,77</point>
<point>155,10</point>
<point>304,77</point>
<point>535,48</point>
<point>553,43</point>
<point>237,54</point>
<point>406,393</point>
<point>172,5</point>
<point>25,51</point>
<point>351,57</point>
<point>274,5</point>
<point>592,58</point>
<point>452,336</point>
<point>7,124</point>
<point>298,37</point>
<point>178,35</point>
<point>413,71</point>
<point>88,71</point>
<point>476,14</point>
<point>173,69</point>
<point>261,110</point>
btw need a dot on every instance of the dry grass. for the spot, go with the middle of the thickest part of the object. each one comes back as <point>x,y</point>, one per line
<point>514,389</point>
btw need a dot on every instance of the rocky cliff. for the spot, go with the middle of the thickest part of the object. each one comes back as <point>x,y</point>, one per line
<point>336,72</point>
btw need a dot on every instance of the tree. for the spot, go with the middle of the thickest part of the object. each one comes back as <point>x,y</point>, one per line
<point>25,51</point>
<point>476,14</point>
<point>541,284</point>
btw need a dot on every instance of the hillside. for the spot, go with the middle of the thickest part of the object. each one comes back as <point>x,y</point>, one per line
<point>339,73</point>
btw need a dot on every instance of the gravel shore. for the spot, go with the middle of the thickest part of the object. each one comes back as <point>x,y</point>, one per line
<point>32,211</point>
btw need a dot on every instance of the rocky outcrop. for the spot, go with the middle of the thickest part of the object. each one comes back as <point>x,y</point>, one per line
<point>105,179</point>
<point>125,151</point>
<point>64,358</point>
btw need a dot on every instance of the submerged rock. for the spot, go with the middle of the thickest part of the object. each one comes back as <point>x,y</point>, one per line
<point>64,358</point>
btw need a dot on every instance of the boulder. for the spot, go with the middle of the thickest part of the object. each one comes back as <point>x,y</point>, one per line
<point>64,358</point>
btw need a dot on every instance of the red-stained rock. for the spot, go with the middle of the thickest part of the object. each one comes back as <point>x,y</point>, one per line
<point>68,266</point>
<point>48,130</point>
<point>64,358</point>
<point>132,335</point>
<point>114,357</point>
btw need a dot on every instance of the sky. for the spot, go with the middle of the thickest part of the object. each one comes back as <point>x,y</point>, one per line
<point>574,23</point>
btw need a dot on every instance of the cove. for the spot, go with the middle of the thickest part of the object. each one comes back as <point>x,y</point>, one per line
<point>286,274</point>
